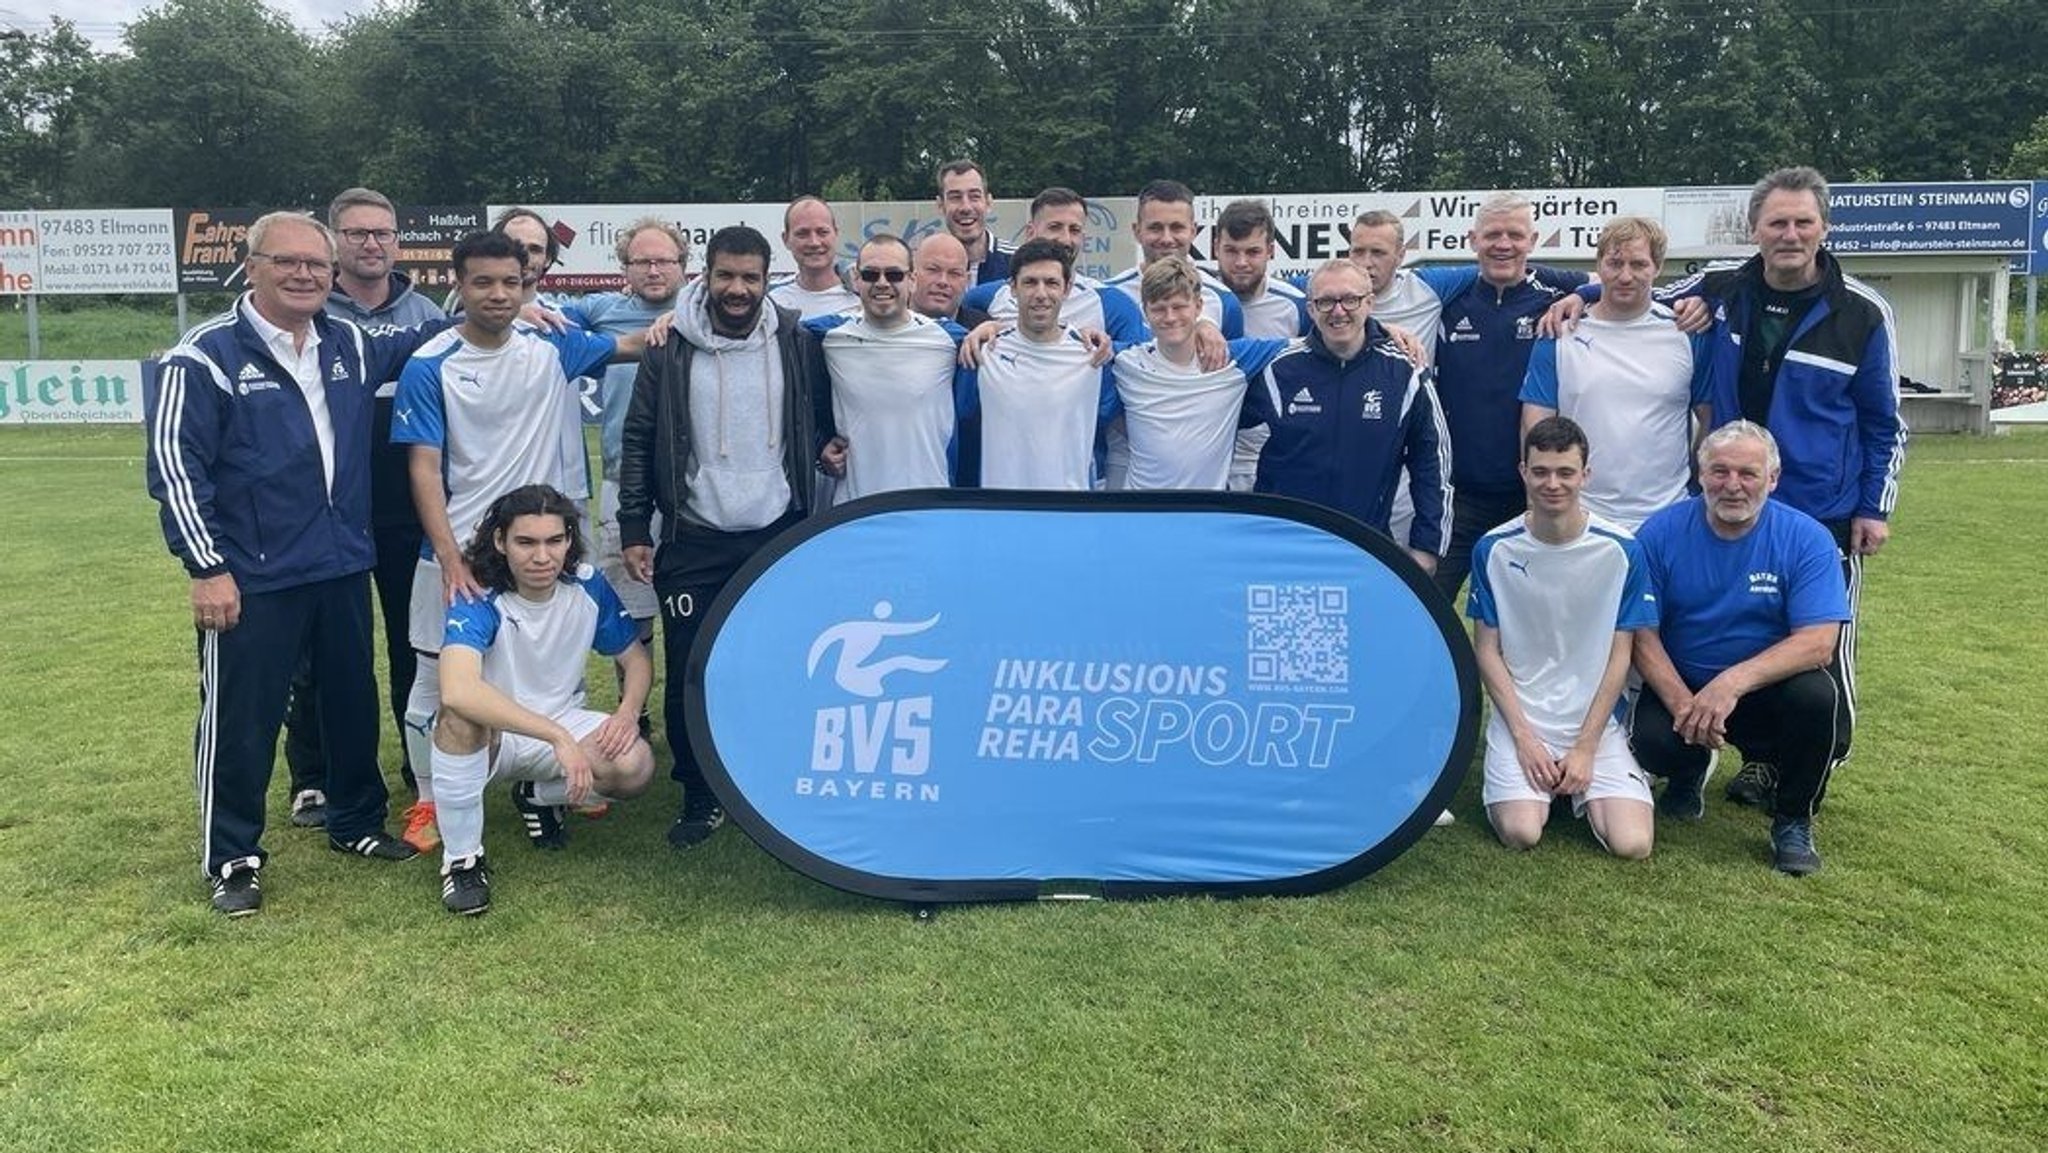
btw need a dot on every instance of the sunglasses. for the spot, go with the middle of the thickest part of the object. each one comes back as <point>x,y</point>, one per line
<point>892,275</point>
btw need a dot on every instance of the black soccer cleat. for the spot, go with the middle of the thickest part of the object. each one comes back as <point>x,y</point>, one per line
<point>376,846</point>
<point>544,824</point>
<point>466,887</point>
<point>239,894</point>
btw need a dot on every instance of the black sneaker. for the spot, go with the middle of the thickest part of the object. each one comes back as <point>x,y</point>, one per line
<point>1756,785</point>
<point>1685,795</point>
<point>1792,849</point>
<point>544,825</point>
<point>239,894</point>
<point>309,809</point>
<point>466,887</point>
<point>695,824</point>
<point>374,845</point>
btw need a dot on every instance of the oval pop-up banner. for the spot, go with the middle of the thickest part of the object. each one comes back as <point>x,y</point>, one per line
<point>959,696</point>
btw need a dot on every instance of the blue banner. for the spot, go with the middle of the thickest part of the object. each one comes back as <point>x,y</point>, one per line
<point>1990,217</point>
<point>974,696</point>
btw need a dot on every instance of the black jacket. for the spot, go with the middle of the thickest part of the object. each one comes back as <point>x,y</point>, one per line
<point>653,465</point>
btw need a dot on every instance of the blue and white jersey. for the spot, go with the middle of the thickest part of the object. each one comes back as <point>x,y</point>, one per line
<point>534,650</point>
<point>1278,313</point>
<point>1721,602</point>
<point>1088,305</point>
<point>1219,304</point>
<point>1180,420</point>
<point>496,414</point>
<point>1632,385</point>
<point>892,399</point>
<point>620,314</point>
<point>808,302</point>
<point>1557,607</point>
<point>1040,405</point>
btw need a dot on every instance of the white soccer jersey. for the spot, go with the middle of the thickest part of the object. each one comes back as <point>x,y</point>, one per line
<point>1278,313</point>
<point>1039,406</point>
<point>1632,386</point>
<point>1179,420</point>
<point>813,302</point>
<point>1557,607</point>
<point>1412,305</point>
<point>892,399</point>
<point>534,651</point>
<point>497,414</point>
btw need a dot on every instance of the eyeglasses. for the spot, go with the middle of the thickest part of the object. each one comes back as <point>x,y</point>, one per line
<point>653,262</point>
<point>362,236</point>
<point>1350,302</point>
<point>297,264</point>
<point>892,275</point>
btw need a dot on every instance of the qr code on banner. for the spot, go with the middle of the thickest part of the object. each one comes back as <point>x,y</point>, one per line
<point>1298,634</point>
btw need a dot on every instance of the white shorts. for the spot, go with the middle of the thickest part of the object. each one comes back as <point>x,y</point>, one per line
<point>1615,774</point>
<point>428,612</point>
<point>639,599</point>
<point>524,758</point>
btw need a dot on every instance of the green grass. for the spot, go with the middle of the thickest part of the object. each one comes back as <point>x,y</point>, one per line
<point>622,996</point>
<point>128,331</point>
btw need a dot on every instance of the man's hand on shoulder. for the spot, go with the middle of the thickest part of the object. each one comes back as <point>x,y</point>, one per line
<point>1561,317</point>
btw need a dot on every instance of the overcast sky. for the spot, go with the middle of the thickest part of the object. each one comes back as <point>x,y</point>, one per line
<point>101,21</point>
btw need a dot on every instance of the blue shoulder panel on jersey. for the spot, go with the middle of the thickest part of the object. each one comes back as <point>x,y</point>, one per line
<point>1539,384</point>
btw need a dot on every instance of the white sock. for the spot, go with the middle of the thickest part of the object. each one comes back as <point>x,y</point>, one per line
<point>421,704</point>
<point>459,801</point>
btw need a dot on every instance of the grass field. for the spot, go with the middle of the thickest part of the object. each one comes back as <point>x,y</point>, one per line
<point>623,996</point>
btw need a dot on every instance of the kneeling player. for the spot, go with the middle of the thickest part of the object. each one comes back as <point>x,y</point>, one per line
<point>512,688</point>
<point>1557,594</point>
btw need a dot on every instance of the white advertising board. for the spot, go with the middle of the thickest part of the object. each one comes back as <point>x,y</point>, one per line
<point>70,392</point>
<point>107,250</point>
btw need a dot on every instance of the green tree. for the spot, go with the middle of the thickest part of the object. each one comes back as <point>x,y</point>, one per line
<point>2029,159</point>
<point>213,105</point>
<point>49,83</point>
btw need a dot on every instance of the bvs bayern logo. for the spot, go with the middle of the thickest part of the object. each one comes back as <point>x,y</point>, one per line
<point>851,744</point>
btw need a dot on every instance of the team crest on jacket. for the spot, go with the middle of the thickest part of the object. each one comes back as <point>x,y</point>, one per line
<point>1372,409</point>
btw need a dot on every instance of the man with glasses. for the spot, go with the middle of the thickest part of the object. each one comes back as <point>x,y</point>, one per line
<point>963,203</point>
<point>887,406</point>
<point>1349,414</point>
<point>654,255</point>
<point>371,293</point>
<point>259,454</point>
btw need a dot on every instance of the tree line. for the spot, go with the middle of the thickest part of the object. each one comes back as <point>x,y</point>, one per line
<point>224,102</point>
